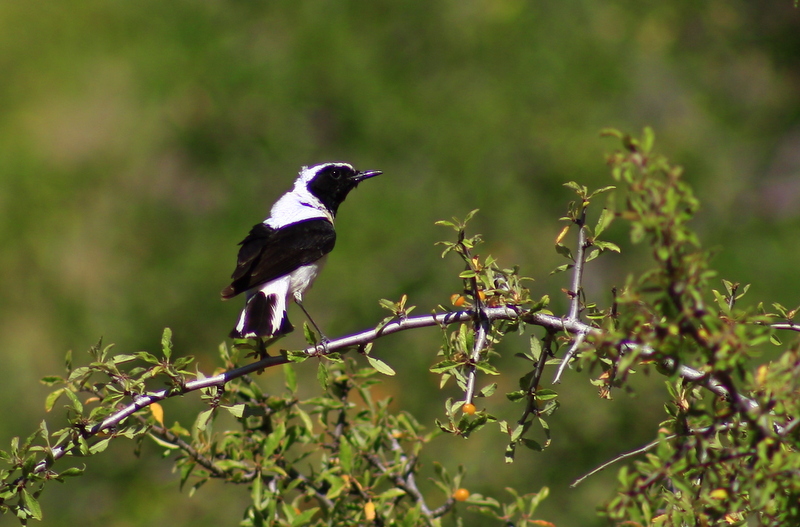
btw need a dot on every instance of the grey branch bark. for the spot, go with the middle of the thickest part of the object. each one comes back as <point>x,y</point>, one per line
<point>552,322</point>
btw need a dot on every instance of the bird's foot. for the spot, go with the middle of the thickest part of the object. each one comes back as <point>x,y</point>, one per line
<point>322,347</point>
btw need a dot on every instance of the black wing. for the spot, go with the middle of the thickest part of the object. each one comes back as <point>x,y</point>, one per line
<point>269,253</point>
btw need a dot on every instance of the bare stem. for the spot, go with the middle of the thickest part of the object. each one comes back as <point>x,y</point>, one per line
<point>482,326</point>
<point>579,338</point>
<point>577,271</point>
<point>407,481</point>
<point>620,457</point>
<point>530,407</point>
<point>786,325</point>
<point>575,292</point>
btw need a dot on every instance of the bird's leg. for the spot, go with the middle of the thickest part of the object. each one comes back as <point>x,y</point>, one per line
<point>323,339</point>
<point>262,343</point>
<point>261,347</point>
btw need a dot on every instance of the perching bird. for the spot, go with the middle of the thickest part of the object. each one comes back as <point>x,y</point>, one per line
<point>282,255</point>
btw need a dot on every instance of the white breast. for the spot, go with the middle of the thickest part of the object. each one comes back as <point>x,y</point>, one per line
<point>301,278</point>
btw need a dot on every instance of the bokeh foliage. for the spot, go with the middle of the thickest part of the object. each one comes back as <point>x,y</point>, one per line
<point>139,142</point>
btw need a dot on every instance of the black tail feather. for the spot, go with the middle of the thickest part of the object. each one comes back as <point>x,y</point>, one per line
<point>258,314</point>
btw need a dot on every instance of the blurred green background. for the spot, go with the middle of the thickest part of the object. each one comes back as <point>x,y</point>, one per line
<point>139,142</point>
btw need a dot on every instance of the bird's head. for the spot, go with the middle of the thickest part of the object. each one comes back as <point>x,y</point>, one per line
<point>331,182</point>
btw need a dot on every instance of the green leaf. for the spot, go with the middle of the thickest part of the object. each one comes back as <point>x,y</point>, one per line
<point>309,335</point>
<point>565,251</point>
<point>32,505</point>
<point>100,446</point>
<point>256,491</point>
<point>71,472</point>
<point>580,190</point>
<point>236,410</point>
<point>303,519</point>
<point>728,286</point>
<point>388,304</point>
<point>561,268</point>
<point>296,356</point>
<point>536,348</point>
<point>600,191</point>
<point>533,445</point>
<point>508,457</point>
<point>722,302</point>
<point>274,440</point>
<point>518,431</point>
<point>545,394</point>
<point>648,140</point>
<point>337,485</point>
<point>345,455</point>
<point>380,366</point>
<point>121,359</point>
<point>76,404</point>
<point>309,425</point>
<point>52,398</point>
<point>470,215</point>
<point>487,391</point>
<point>782,311</point>
<point>162,443</point>
<point>517,395</point>
<point>605,219</point>
<point>322,375</point>
<point>180,363</point>
<point>335,357</point>
<point>594,253</point>
<point>745,288</point>
<point>166,343</point>
<point>607,246</point>
<point>485,367</point>
<point>611,132</point>
<point>141,355</point>
<point>51,380</point>
<point>291,377</point>
<point>203,418</point>
<point>443,366</point>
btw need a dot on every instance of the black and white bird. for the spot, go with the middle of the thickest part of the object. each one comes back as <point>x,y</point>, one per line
<point>281,256</point>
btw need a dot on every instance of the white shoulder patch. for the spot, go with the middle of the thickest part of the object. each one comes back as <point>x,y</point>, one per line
<point>298,204</point>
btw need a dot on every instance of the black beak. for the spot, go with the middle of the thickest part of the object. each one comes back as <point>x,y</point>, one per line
<point>361,176</point>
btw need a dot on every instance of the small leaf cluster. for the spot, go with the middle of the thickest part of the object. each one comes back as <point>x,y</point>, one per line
<point>520,512</point>
<point>361,458</point>
<point>590,238</point>
<point>28,470</point>
<point>467,351</point>
<point>92,392</point>
<point>484,281</point>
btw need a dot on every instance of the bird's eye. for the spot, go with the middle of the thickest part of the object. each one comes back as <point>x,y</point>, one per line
<point>336,174</point>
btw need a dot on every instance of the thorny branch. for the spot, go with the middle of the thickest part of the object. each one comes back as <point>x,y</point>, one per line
<point>508,312</point>
<point>483,315</point>
<point>577,272</point>
<point>407,481</point>
<point>575,291</point>
<point>579,338</point>
<point>167,436</point>
<point>546,352</point>
<point>482,327</point>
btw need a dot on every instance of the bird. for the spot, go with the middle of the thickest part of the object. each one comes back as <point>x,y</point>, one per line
<point>281,256</point>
